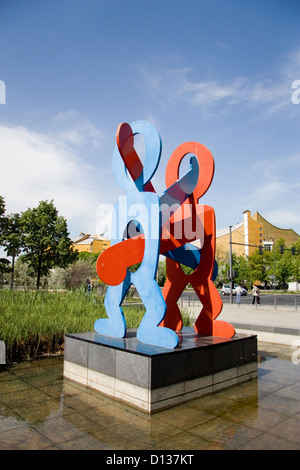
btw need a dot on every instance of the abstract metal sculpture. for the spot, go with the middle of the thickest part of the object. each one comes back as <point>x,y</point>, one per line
<point>146,225</point>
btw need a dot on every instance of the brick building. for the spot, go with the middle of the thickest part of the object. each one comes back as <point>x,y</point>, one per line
<point>252,230</point>
<point>90,243</point>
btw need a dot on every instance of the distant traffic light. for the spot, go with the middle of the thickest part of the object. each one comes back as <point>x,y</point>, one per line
<point>281,249</point>
<point>261,250</point>
<point>232,273</point>
<point>293,250</point>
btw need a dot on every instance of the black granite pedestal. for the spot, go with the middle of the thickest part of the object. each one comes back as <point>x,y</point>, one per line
<point>152,378</point>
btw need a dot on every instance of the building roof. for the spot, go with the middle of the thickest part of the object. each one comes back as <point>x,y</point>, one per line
<point>225,231</point>
<point>257,216</point>
<point>86,238</point>
<point>85,241</point>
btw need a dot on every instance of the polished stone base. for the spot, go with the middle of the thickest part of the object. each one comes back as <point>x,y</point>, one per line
<point>152,378</point>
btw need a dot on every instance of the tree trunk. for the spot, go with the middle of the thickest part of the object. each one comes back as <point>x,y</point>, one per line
<point>12,273</point>
<point>39,273</point>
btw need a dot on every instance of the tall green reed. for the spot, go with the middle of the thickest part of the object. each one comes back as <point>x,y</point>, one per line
<point>34,323</point>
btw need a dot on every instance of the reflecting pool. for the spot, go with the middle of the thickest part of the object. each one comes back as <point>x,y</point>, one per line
<point>40,409</point>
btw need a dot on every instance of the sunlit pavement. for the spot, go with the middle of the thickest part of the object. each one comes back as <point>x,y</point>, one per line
<point>275,325</point>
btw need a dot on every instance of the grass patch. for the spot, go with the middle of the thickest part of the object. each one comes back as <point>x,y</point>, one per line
<point>33,324</point>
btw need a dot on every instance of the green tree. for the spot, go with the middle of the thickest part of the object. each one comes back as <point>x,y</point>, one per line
<point>295,268</point>
<point>297,246</point>
<point>280,248</point>
<point>295,261</point>
<point>284,263</point>
<point>2,212</point>
<point>81,272</point>
<point>12,240</point>
<point>284,269</point>
<point>222,277</point>
<point>87,256</point>
<point>260,266</point>
<point>161,273</point>
<point>46,240</point>
<point>241,268</point>
<point>4,263</point>
<point>23,275</point>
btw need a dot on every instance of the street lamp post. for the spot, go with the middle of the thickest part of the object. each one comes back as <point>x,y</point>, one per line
<point>230,264</point>
<point>271,238</point>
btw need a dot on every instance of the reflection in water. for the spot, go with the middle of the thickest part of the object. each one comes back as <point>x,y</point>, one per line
<point>40,409</point>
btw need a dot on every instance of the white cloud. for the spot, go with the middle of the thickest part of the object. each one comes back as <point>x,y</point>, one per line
<point>176,85</point>
<point>274,191</point>
<point>271,190</point>
<point>283,218</point>
<point>279,176</point>
<point>172,85</point>
<point>36,167</point>
<point>75,130</point>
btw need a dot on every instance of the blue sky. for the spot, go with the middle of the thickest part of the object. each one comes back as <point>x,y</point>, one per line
<point>217,72</point>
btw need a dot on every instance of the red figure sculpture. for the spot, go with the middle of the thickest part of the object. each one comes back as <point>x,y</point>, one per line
<point>203,219</point>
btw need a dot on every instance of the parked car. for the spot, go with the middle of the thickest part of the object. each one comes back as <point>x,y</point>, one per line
<point>226,290</point>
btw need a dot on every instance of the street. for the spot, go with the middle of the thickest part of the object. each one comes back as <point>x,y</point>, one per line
<point>266,298</point>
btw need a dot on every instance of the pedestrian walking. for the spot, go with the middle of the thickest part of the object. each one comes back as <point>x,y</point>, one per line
<point>255,293</point>
<point>238,291</point>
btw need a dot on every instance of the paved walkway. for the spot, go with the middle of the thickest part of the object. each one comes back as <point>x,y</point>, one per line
<point>275,325</point>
